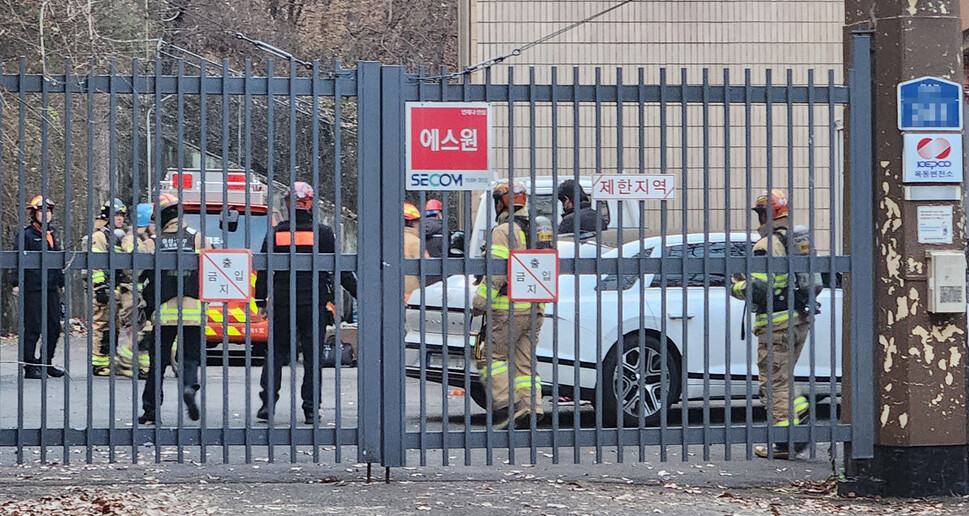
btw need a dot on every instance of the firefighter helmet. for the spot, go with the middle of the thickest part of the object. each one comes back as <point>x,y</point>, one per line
<point>433,206</point>
<point>119,207</point>
<point>778,203</point>
<point>303,193</point>
<point>38,201</point>
<point>144,214</point>
<point>411,212</point>
<point>519,196</point>
<point>167,207</point>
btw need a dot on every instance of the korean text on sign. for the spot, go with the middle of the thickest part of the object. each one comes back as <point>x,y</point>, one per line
<point>633,187</point>
<point>224,275</point>
<point>533,275</point>
<point>448,146</point>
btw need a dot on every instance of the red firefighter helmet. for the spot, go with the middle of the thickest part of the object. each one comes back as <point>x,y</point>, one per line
<point>303,193</point>
<point>778,203</point>
<point>433,206</point>
<point>519,196</point>
<point>411,212</point>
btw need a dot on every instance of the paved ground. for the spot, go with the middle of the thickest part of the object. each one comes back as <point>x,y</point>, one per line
<point>337,485</point>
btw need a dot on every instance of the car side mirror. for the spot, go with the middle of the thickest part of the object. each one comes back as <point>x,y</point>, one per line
<point>456,249</point>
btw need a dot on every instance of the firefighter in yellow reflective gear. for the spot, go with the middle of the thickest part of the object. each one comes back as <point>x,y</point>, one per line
<point>105,237</point>
<point>510,326</point>
<point>776,335</point>
<point>187,311</point>
<point>144,238</point>
<point>412,245</point>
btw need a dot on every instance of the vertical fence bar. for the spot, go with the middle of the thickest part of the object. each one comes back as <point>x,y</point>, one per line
<point>337,246</point>
<point>510,345</point>
<point>135,292</point>
<point>156,276</point>
<point>861,246</point>
<point>769,149</point>
<point>576,377</point>
<point>269,364</point>
<point>664,351</point>
<point>747,326</point>
<point>789,247</point>
<point>224,431</point>
<point>812,297</point>
<point>684,277</point>
<point>466,312</point>
<point>112,256</point>
<point>21,200</point>
<point>319,325</point>
<point>706,261</point>
<point>44,279</point>
<point>531,237</point>
<point>641,254</point>
<point>728,253</point>
<point>620,284</point>
<point>370,262</point>
<point>203,229</point>
<point>392,161</point>
<point>291,315</point>
<point>247,123</point>
<point>600,384</point>
<point>555,308</point>
<point>68,238</point>
<point>835,250</point>
<point>180,288</point>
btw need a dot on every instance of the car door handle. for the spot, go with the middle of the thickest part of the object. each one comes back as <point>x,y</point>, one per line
<point>680,316</point>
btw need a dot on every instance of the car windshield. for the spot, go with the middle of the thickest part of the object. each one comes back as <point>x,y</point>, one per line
<point>236,235</point>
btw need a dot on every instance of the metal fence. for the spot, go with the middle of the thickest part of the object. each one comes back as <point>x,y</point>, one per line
<point>645,350</point>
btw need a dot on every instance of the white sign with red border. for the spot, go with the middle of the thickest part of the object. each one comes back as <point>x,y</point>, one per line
<point>533,275</point>
<point>448,146</point>
<point>224,274</point>
<point>633,187</point>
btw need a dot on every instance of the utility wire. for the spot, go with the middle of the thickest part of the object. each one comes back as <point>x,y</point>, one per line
<point>488,63</point>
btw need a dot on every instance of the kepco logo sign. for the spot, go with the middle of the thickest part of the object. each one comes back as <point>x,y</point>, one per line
<point>933,158</point>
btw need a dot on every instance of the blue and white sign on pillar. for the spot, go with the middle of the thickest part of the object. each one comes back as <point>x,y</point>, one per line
<point>929,103</point>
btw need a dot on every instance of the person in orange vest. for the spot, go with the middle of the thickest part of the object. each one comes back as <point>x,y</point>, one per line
<point>288,235</point>
<point>32,238</point>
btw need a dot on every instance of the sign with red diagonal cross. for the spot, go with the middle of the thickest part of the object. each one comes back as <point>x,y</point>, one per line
<point>224,274</point>
<point>533,275</point>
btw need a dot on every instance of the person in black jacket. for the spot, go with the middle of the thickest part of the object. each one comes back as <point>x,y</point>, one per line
<point>433,233</point>
<point>32,238</point>
<point>286,236</point>
<point>587,215</point>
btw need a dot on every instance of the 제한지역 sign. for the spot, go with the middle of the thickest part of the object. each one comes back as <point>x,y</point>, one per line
<point>633,187</point>
<point>533,275</point>
<point>224,274</point>
<point>448,146</point>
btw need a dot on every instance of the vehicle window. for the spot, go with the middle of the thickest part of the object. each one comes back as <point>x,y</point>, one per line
<point>612,282</point>
<point>711,249</point>
<point>257,224</point>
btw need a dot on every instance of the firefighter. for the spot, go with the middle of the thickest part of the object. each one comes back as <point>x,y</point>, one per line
<point>434,232</point>
<point>510,325</point>
<point>32,238</point>
<point>107,236</point>
<point>175,236</point>
<point>775,207</point>
<point>412,245</point>
<point>298,234</point>
<point>144,239</point>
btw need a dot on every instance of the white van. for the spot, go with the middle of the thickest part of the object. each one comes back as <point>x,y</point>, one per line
<point>544,197</point>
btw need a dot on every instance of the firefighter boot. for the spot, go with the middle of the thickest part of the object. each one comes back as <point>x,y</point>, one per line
<point>188,395</point>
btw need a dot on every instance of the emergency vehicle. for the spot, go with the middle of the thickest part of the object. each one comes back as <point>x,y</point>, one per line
<point>227,223</point>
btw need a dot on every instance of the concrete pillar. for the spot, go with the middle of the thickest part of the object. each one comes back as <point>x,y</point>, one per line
<point>919,357</point>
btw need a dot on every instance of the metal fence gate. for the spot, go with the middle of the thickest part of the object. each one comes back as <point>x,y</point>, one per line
<point>645,351</point>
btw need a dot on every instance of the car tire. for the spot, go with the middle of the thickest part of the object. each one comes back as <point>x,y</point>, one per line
<point>621,382</point>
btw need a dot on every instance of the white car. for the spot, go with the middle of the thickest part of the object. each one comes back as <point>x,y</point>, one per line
<point>589,324</point>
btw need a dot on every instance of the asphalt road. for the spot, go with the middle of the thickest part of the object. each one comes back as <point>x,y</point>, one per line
<point>230,393</point>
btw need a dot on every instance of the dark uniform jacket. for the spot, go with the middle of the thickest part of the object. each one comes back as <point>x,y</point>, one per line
<point>587,220</point>
<point>31,239</point>
<point>280,237</point>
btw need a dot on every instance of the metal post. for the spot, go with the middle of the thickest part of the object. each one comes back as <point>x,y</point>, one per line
<point>369,265</point>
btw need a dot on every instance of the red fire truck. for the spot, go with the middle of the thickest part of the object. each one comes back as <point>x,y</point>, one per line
<point>235,227</point>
